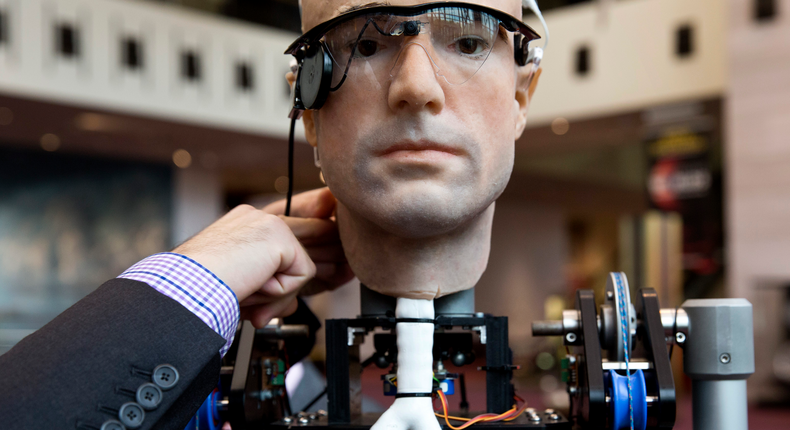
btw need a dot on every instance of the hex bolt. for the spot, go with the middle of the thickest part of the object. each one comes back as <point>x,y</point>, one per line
<point>554,417</point>
<point>570,337</point>
<point>548,411</point>
<point>288,420</point>
<point>680,337</point>
<point>304,421</point>
<point>534,418</point>
<point>725,358</point>
<point>322,413</point>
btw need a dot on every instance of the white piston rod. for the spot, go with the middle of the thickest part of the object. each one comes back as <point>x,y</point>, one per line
<point>415,370</point>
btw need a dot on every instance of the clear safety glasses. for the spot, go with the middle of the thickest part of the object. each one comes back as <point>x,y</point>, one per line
<point>373,42</point>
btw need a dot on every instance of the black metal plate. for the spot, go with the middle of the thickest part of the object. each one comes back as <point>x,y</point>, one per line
<point>366,421</point>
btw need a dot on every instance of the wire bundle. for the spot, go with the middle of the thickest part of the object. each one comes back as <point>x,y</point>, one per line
<point>510,415</point>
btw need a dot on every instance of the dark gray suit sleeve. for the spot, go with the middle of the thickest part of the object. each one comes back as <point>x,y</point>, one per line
<point>77,371</point>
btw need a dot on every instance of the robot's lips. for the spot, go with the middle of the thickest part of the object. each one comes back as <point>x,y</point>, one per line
<point>421,151</point>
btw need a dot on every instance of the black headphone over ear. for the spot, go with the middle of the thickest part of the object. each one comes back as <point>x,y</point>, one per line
<point>314,77</point>
<point>520,49</point>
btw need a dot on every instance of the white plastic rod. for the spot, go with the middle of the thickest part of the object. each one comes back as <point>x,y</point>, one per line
<point>415,370</point>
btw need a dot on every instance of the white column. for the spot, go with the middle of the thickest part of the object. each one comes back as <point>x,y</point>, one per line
<point>197,201</point>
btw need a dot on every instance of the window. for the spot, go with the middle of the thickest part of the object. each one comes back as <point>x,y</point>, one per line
<point>190,65</point>
<point>132,53</point>
<point>684,41</point>
<point>764,10</point>
<point>67,40</point>
<point>244,78</point>
<point>583,61</point>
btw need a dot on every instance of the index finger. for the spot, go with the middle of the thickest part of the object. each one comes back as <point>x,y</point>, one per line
<point>318,203</point>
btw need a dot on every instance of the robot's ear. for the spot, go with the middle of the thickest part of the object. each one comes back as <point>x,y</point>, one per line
<point>533,81</point>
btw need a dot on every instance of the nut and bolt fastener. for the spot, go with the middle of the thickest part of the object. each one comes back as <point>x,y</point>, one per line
<point>548,411</point>
<point>725,358</point>
<point>301,414</point>
<point>322,413</point>
<point>304,421</point>
<point>570,337</point>
<point>312,417</point>
<point>680,337</point>
<point>610,295</point>
<point>554,417</point>
<point>534,418</point>
<point>530,411</point>
<point>288,420</point>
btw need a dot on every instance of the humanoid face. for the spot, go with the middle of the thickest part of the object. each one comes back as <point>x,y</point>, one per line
<point>414,154</point>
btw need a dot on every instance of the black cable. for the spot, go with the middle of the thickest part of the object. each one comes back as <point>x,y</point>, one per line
<point>290,166</point>
<point>312,402</point>
<point>464,403</point>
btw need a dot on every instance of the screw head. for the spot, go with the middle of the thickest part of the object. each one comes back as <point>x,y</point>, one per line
<point>312,417</point>
<point>725,358</point>
<point>304,421</point>
<point>610,295</point>
<point>680,337</point>
<point>288,420</point>
<point>570,337</point>
<point>548,411</point>
<point>534,418</point>
<point>554,417</point>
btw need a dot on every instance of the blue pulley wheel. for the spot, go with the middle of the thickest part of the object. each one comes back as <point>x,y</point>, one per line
<point>618,405</point>
<point>208,416</point>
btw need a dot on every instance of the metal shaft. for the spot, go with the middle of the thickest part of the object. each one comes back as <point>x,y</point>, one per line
<point>719,405</point>
<point>547,328</point>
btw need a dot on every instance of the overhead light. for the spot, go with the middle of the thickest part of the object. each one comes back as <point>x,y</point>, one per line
<point>281,184</point>
<point>50,142</point>
<point>560,126</point>
<point>182,158</point>
<point>91,121</point>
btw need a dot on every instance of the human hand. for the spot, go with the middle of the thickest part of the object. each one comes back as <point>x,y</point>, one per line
<point>312,223</point>
<point>258,257</point>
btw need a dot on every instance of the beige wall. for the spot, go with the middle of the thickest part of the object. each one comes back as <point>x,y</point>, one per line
<point>634,65</point>
<point>757,155</point>
<point>757,149</point>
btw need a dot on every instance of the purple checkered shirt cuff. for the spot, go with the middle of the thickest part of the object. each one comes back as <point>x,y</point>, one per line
<point>195,287</point>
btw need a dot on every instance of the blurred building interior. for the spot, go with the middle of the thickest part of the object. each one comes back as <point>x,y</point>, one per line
<point>656,146</point>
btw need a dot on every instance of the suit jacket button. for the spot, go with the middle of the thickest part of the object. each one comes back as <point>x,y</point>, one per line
<point>149,396</point>
<point>131,415</point>
<point>112,425</point>
<point>165,376</point>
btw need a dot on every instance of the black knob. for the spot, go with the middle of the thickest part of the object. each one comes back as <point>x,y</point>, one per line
<point>458,359</point>
<point>381,361</point>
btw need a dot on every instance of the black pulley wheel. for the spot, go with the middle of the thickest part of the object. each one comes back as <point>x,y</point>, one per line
<point>315,78</point>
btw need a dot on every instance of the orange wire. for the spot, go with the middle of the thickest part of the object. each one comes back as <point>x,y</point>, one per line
<point>510,415</point>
